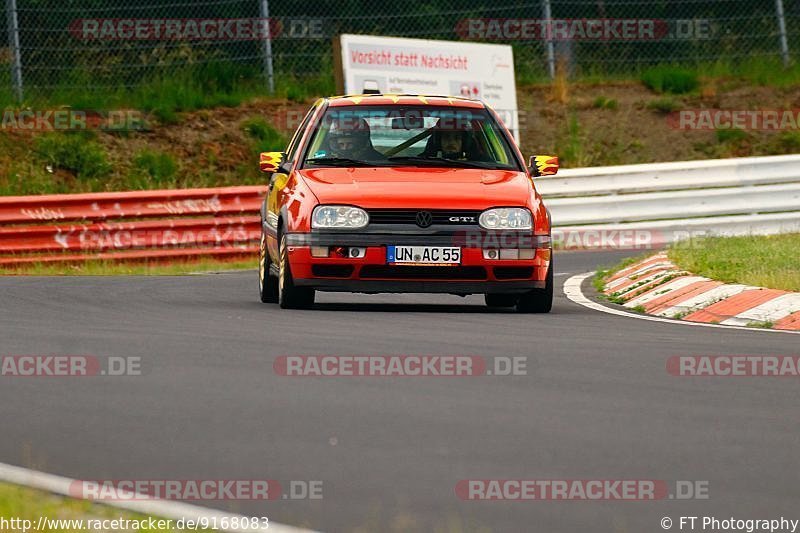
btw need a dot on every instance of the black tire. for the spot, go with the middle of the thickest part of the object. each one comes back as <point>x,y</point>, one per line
<point>267,283</point>
<point>538,300</point>
<point>290,296</point>
<point>501,300</point>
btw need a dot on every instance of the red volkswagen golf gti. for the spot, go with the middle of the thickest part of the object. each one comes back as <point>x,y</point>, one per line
<point>402,193</point>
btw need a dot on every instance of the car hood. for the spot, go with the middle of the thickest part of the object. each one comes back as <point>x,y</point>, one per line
<point>415,187</point>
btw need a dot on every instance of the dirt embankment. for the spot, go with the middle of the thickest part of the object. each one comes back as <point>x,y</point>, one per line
<point>625,123</point>
<point>584,124</point>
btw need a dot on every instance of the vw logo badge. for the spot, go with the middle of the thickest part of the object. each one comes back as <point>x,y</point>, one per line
<point>424,219</point>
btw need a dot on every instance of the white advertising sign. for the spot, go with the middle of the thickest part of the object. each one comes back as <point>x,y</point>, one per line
<point>420,66</point>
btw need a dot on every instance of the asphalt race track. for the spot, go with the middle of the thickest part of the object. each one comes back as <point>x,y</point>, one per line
<point>597,403</point>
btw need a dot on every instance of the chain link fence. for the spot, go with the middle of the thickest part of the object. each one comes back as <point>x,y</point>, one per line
<point>51,46</point>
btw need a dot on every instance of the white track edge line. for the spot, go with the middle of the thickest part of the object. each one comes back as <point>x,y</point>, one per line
<point>572,289</point>
<point>158,508</point>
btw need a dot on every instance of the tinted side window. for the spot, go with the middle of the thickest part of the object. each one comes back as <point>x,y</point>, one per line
<point>298,135</point>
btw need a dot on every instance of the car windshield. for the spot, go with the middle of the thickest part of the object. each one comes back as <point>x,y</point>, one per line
<point>409,136</point>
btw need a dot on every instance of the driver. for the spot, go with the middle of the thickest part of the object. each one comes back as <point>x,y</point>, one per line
<point>453,143</point>
<point>352,141</point>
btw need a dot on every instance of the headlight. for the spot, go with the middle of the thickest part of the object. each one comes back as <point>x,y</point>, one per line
<point>338,216</point>
<point>506,218</point>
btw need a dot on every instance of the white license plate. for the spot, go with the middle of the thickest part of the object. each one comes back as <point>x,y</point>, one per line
<point>423,255</point>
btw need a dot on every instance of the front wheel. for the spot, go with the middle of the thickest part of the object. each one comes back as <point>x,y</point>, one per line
<point>289,295</point>
<point>538,300</point>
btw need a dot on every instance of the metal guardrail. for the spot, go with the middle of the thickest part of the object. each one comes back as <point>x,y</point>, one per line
<point>631,206</point>
<point>164,225</point>
<point>758,195</point>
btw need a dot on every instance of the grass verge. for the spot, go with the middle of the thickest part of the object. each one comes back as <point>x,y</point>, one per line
<point>187,88</point>
<point>28,504</point>
<point>762,261</point>
<point>108,268</point>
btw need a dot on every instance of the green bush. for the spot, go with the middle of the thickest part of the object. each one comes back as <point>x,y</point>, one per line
<point>667,79</point>
<point>731,135</point>
<point>301,89</point>
<point>570,145</point>
<point>601,102</point>
<point>663,105</point>
<point>789,142</point>
<point>159,166</point>
<point>76,153</point>
<point>267,138</point>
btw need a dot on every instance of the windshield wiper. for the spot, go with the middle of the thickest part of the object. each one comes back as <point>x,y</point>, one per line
<point>437,161</point>
<point>339,162</point>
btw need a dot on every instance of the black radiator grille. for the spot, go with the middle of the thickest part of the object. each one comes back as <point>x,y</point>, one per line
<point>409,216</point>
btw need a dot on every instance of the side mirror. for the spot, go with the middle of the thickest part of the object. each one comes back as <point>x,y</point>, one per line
<point>270,161</point>
<point>544,165</point>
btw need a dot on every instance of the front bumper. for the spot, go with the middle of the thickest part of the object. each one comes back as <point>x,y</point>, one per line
<point>407,286</point>
<point>371,273</point>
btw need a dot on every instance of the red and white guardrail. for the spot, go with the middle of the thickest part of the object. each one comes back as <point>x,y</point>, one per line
<point>620,207</point>
<point>160,225</point>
